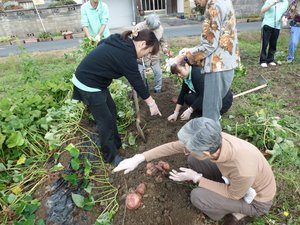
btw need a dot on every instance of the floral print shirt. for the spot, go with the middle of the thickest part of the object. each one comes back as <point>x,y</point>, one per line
<point>293,12</point>
<point>218,48</point>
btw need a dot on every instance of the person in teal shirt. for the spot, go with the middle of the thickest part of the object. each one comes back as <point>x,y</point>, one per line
<point>273,11</point>
<point>94,20</point>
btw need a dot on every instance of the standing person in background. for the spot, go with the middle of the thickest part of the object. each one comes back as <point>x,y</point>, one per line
<point>152,22</point>
<point>217,54</point>
<point>293,13</point>
<point>94,19</point>
<point>114,57</point>
<point>272,11</point>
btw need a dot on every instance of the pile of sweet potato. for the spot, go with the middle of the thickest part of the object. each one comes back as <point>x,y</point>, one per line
<point>134,198</point>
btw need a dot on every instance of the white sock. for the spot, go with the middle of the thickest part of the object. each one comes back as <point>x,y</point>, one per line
<point>238,216</point>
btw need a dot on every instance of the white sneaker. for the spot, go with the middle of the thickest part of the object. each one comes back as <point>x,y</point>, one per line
<point>272,64</point>
<point>264,65</point>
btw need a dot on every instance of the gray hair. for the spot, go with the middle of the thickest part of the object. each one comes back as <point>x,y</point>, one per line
<point>153,21</point>
<point>201,134</point>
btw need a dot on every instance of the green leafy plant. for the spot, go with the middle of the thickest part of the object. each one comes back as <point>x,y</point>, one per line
<point>265,132</point>
<point>30,71</point>
<point>44,35</point>
<point>240,71</point>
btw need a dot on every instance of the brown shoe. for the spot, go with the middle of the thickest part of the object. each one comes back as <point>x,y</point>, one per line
<point>230,219</point>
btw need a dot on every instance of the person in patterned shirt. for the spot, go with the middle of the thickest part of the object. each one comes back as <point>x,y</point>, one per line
<point>217,53</point>
<point>293,13</point>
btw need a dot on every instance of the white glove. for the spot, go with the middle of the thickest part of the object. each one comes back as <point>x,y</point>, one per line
<point>187,114</point>
<point>154,109</point>
<point>97,38</point>
<point>187,174</point>
<point>250,195</point>
<point>183,51</point>
<point>130,164</point>
<point>173,117</point>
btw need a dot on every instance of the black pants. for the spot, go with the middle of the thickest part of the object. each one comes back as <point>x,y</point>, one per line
<point>103,109</point>
<point>190,98</point>
<point>269,37</point>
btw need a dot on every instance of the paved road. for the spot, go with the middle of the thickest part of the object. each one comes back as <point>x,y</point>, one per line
<point>170,31</point>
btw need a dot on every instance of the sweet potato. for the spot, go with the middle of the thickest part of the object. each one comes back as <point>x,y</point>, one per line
<point>163,166</point>
<point>159,167</point>
<point>150,166</point>
<point>149,172</point>
<point>133,200</point>
<point>141,189</point>
<point>151,169</point>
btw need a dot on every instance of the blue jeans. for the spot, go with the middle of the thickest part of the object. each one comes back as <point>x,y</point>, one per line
<point>103,109</point>
<point>157,75</point>
<point>294,40</point>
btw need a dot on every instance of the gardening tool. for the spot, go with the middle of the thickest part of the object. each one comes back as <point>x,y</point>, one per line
<point>138,116</point>
<point>262,84</point>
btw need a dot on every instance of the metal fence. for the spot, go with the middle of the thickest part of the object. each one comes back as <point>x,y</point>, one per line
<point>158,6</point>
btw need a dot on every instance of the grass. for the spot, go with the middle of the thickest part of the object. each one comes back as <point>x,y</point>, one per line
<point>48,66</point>
<point>279,99</point>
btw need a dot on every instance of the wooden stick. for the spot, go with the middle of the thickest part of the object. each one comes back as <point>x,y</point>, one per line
<point>251,90</point>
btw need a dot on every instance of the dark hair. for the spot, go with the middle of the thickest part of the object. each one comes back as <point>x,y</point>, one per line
<point>144,35</point>
<point>175,67</point>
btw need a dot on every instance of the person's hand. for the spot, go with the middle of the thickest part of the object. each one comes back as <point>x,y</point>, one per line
<point>129,164</point>
<point>90,38</point>
<point>154,109</point>
<point>169,53</point>
<point>183,51</point>
<point>185,175</point>
<point>98,38</point>
<point>187,114</point>
<point>284,20</point>
<point>173,117</point>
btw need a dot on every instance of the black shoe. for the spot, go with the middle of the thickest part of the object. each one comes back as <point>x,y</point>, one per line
<point>157,91</point>
<point>117,160</point>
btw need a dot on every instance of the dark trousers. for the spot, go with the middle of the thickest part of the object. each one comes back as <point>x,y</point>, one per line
<point>103,109</point>
<point>269,37</point>
<point>190,98</point>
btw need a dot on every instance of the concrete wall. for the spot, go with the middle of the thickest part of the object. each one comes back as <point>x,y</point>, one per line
<point>25,23</point>
<point>247,7</point>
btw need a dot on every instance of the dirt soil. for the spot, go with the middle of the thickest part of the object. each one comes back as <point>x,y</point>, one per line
<point>165,201</point>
